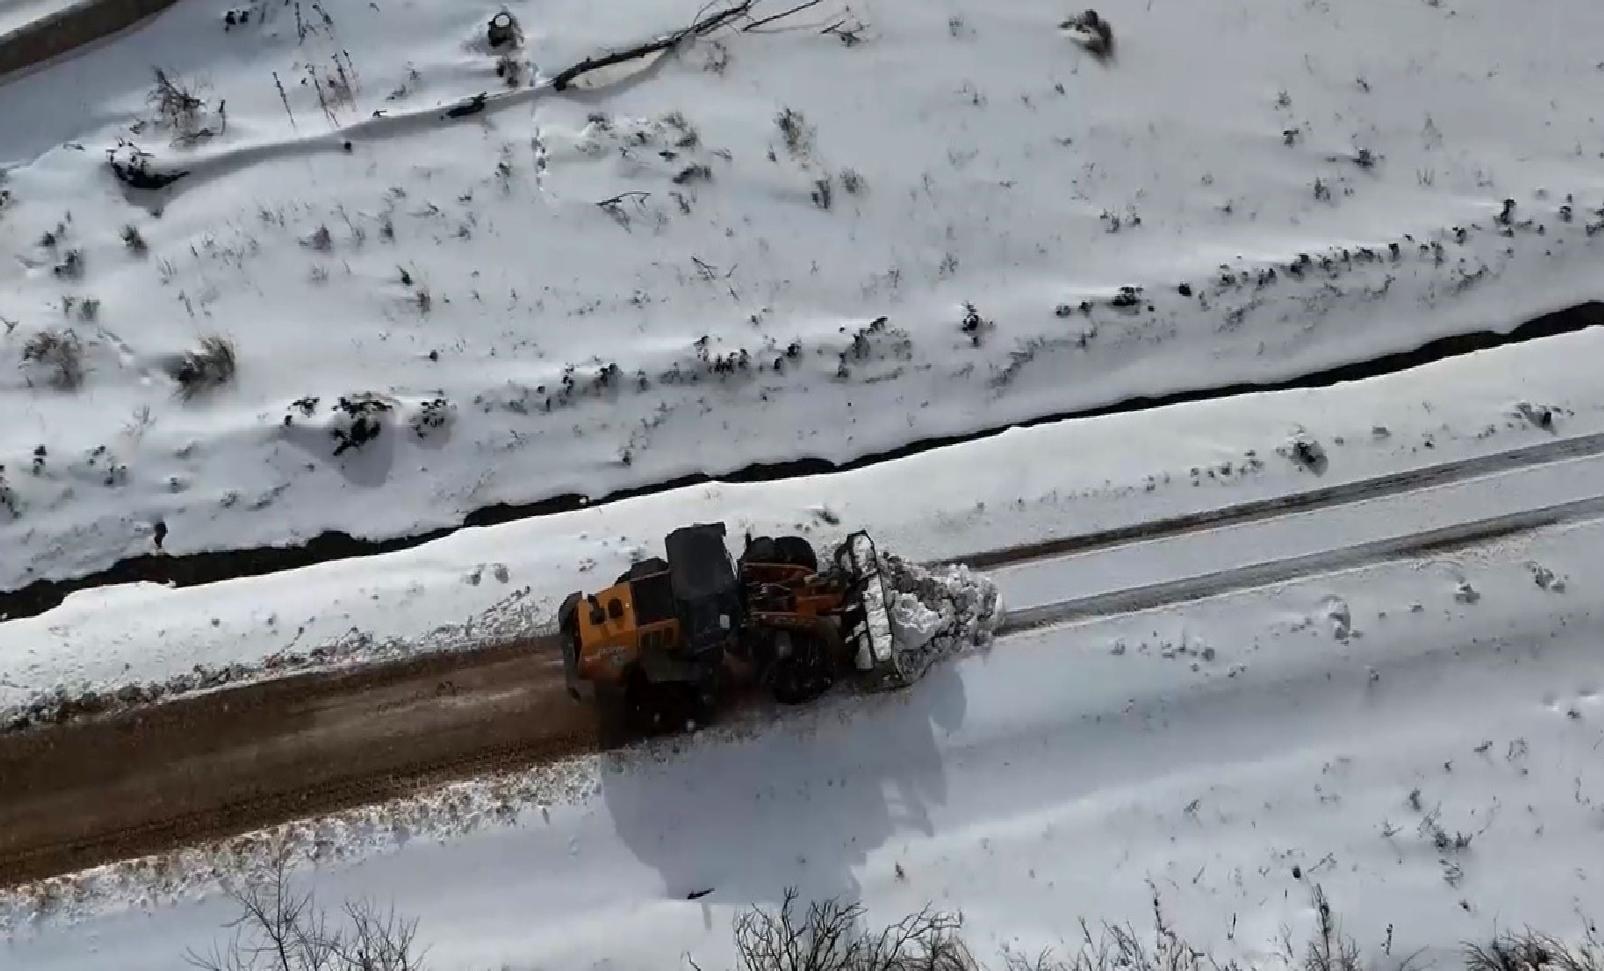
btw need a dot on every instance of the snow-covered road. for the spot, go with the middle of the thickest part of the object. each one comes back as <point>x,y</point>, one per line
<point>1344,534</point>
<point>1328,725</point>
<point>214,765</point>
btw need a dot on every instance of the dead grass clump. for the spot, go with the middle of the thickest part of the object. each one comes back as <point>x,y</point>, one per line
<point>831,936</point>
<point>71,266</point>
<point>282,928</point>
<point>210,366</point>
<point>134,241</point>
<point>510,70</point>
<point>693,173</point>
<point>1531,951</point>
<point>1094,34</point>
<point>60,353</point>
<point>175,103</point>
<point>320,239</point>
<point>796,131</point>
<point>823,193</point>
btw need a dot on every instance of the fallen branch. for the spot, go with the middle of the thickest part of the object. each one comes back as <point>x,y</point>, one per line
<point>637,195</point>
<point>702,25</point>
<point>614,207</point>
<point>780,16</point>
<point>848,35</point>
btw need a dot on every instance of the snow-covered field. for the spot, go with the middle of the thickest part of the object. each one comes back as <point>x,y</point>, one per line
<point>528,342</point>
<point>861,227</point>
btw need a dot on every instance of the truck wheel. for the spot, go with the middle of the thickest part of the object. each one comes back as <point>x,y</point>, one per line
<point>797,551</point>
<point>665,707</point>
<point>645,568</point>
<point>801,671</point>
<point>763,549</point>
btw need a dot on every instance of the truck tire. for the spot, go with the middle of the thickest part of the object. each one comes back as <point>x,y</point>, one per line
<point>801,672</point>
<point>645,568</point>
<point>665,707</point>
<point>763,549</point>
<point>798,552</point>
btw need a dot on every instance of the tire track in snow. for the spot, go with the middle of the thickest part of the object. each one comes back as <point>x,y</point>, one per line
<point>1259,510</point>
<point>1408,546</point>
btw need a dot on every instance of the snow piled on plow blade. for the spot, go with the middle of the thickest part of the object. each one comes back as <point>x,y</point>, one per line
<point>936,612</point>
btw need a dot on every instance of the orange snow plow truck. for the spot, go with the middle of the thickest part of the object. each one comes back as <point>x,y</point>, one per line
<point>671,635</point>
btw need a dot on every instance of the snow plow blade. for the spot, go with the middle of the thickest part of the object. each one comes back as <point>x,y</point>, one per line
<point>866,628</point>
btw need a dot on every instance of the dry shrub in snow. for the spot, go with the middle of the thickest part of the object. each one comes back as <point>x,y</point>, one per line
<point>1329,949</point>
<point>60,354</point>
<point>282,929</point>
<point>210,366</point>
<point>796,131</point>
<point>823,193</point>
<point>1531,951</point>
<point>178,110</point>
<point>1094,34</point>
<point>71,266</point>
<point>175,104</point>
<point>431,416</point>
<point>359,419</point>
<point>510,70</point>
<point>831,936</point>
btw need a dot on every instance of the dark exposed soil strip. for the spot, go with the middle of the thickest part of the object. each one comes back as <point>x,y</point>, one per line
<point>70,28</point>
<point>200,568</point>
<point>218,764</point>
